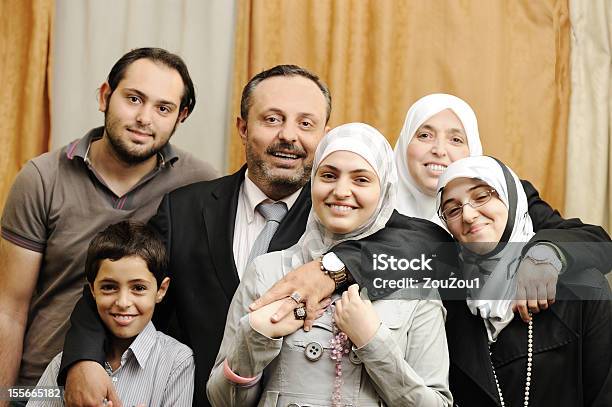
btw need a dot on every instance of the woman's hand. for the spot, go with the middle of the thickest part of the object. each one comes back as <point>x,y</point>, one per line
<point>260,319</point>
<point>356,317</point>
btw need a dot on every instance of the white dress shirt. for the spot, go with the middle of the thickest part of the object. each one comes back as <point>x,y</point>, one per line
<point>249,222</point>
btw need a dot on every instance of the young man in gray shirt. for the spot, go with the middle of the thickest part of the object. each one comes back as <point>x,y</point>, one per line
<point>61,199</point>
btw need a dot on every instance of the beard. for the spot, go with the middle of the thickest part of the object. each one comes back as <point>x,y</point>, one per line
<point>264,172</point>
<point>126,153</point>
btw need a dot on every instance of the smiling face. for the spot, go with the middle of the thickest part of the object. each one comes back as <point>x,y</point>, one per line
<point>479,229</point>
<point>126,293</point>
<point>439,141</point>
<point>345,191</point>
<point>286,121</point>
<point>142,112</point>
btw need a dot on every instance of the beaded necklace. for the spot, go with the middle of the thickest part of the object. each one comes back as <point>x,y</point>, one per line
<point>341,346</point>
<point>528,374</point>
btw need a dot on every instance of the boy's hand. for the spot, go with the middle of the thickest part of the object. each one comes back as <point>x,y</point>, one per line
<point>356,317</point>
<point>88,384</point>
<point>309,281</point>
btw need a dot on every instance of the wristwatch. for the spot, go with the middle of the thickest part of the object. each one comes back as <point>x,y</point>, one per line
<point>334,268</point>
<point>542,253</point>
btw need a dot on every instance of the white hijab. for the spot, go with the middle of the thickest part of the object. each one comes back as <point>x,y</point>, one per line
<point>493,301</point>
<point>370,144</point>
<point>411,200</point>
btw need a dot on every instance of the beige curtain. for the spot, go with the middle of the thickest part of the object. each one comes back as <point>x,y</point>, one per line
<point>508,59</point>
<point>589,165</point>
<point>25,71</point>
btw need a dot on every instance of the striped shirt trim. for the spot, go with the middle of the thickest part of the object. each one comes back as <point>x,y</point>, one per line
<point>79,148</point>
<point>122,201</point>
<point>23,241</point>
<point>70,150</point>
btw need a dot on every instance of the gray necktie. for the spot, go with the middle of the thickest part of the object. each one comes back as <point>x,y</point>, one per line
<point>273,213</point>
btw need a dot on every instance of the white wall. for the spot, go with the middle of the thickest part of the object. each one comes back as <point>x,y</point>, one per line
<point>91,35</point>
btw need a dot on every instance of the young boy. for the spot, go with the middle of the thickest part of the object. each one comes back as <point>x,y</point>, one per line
<point>125,269</point>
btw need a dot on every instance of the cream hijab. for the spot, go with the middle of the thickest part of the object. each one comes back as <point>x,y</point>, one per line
<point>493,301</point>
<point>411,201</point>
<point>370,144</point>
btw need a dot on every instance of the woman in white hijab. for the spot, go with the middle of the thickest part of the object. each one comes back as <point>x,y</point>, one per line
<point>398,354</point>
<point>561,357</point>
<point>438,130</point>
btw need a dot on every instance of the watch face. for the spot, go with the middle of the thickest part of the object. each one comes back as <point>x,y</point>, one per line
<point>332,263</point>
<point>541,253</point>
<point>544,254</point>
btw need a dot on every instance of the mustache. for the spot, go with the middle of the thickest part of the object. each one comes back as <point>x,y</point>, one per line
<point>140,127</point>
<point>286,148</point>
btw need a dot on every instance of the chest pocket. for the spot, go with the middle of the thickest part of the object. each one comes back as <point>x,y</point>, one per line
<point>393,313</point>
<point>397,316</point>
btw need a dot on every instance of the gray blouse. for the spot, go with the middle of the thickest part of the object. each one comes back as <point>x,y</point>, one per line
<point>405,364</point>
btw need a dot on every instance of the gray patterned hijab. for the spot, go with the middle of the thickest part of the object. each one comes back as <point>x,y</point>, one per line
<point>370,144</point>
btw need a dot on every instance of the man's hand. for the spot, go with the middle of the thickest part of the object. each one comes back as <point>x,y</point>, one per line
<point>88,384</point>
<point>356,317</point>
<point>309,281</point>
<point>536,288</point>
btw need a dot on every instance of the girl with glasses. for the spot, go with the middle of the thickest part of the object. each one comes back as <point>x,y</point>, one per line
<point>440,129</point>
<point>561,357</point>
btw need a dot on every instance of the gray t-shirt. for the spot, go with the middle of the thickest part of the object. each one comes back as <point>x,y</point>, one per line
<point>56,206</point>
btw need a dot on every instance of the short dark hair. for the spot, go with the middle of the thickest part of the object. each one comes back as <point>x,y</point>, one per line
<point>125,239</point>
<point>281,70</point>
<point>160,56</point>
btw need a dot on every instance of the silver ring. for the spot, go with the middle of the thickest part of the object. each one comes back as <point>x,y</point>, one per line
<point>300,313</point>
<point>295,296</point>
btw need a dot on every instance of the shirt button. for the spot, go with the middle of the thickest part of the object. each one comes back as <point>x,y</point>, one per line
<point>313,351</point>
<point>354,358</point>
<point>293,405</point>
<point>114,379</point>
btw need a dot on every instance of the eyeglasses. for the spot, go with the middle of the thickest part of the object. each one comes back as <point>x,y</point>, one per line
<point>478,199</point>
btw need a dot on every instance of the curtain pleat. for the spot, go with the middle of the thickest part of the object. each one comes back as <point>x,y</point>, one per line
<point>589,165</point>
<point>507,59</point>
<point>26,29</point>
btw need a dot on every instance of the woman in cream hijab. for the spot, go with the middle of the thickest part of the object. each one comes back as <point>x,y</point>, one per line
<point>438,130</point>
<point>398,354</point>
<point>561,357</point>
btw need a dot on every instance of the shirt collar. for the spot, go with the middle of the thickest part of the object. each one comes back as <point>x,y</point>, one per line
<point>255,196</point>
<point>141,347</point>
<point>80,148</point>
